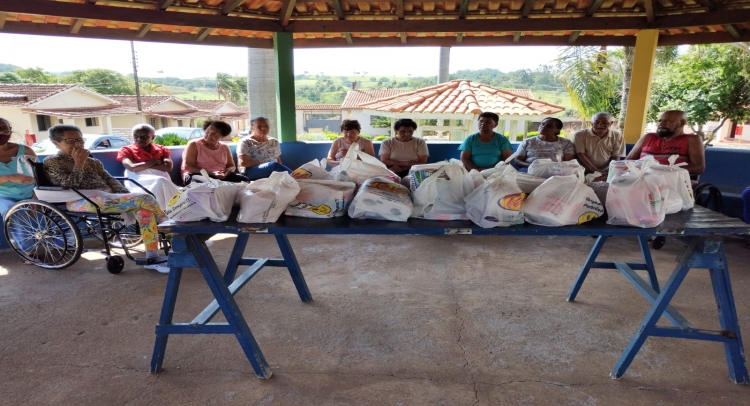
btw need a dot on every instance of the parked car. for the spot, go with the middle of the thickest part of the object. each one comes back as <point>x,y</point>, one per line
<point>188,133</point>
<point>91,142</point>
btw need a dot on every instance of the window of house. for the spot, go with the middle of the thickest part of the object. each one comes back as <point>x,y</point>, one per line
<point>59,121</point>
<point>179,123</point>
<point>152,121</point>
<point>164,122</point>
<point>43,122</point>
<point>92,122</point>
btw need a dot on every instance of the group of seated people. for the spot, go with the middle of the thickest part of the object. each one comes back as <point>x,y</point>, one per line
<point>260,155</point>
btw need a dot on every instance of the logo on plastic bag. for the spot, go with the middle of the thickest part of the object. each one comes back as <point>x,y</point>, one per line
<point>300,173</point>
<point>588,216</point>
<point>512,202</point>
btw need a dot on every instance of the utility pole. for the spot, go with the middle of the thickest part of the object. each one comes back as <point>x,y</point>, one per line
<point>135,77</point>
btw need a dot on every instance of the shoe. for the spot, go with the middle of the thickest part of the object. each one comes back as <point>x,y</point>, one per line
<point>209,243</point>
<point>158,264</point>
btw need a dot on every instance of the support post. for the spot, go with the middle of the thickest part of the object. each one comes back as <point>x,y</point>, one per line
<point>283,48</point>
<point>640,84</point>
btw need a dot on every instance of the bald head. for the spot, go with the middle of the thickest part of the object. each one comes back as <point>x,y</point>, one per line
<point>671,123</point>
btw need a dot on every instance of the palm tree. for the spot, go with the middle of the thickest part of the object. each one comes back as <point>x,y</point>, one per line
<point>150,89</point>
<point>231,88</point>
<point>588,77</point>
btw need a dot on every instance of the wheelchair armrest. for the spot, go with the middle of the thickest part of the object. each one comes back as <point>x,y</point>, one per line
<point>53,188</point>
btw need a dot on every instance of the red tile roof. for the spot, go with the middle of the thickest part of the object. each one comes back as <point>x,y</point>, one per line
<point>87,112</point>
<point>33,92</point>
<point>318,107</point>
<point>147,102</point>
<point>462,97</point>
<point>356,97</point>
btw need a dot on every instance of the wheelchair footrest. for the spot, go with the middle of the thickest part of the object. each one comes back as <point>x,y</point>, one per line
<point>160,260</point>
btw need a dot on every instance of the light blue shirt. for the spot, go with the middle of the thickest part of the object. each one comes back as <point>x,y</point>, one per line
<point>485,155</point>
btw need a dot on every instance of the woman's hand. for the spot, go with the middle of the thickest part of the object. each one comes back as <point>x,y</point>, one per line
<point>220,174</point>
<point>17,178</point>
<point>80,155</point>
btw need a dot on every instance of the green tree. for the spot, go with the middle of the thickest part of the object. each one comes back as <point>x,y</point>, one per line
<point>36,75</point>
<point>104,81</point>
<point>709,83</point>
<point>150,89</point>
<point>590,79</point>
<point>10,77</point>
<point>231,87</point>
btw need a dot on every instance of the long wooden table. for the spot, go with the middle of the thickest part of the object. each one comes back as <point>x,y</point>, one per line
<point>701,229</point>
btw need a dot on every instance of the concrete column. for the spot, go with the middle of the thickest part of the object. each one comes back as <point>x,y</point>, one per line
<point>520,128</point>
<point>107,125</point>
<point>444,68</point>
<point>261,85</point>
<point>640,84</point>
<point>283,47</point>
<point>506,127</point>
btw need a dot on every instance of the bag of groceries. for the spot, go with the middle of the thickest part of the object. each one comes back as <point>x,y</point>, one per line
<point>527,183</point>
<point>500,167</point>
<point>197,201</point>
<point>381,198</point>
<point>321,198</point>
<point>497,202</point>
<point>264,200</point>
<point>561,201</point>
<point>637,198</point>
<point>312,170</point>
<point>441,195</point>
<point>546,167</point>
<point>365,167</point>
<point>678,182</point>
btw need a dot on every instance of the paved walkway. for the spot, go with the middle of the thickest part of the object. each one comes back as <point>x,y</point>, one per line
<point>395,321</point>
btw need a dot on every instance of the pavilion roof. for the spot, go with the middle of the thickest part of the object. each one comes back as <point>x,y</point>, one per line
<point>340,23</point>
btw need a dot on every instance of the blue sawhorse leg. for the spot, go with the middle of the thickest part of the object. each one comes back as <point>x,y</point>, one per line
<point>294,270</point>
<point>586,267</point>
<point>646,254</point>
<point>701,253</point>
<point>165,318</point>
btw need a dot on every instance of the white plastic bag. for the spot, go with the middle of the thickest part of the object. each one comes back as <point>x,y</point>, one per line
<point>156,182</point>
<point>418,173</point>
<point>477,177</point>
<point>497,202</point>
<point>637,198</point>
<point>546,167</point>
<point>564,168</point>
<point>365,167</point>
<point>383,199</point>
<point>561,201</point>
<point>678,182</point>
<point>500,167</point>
<point>321,199</point>
<point>197,201</point>
<point>312,170</point>
<point>264,200</point>
<point>526,182</point>
<point>441,195</point>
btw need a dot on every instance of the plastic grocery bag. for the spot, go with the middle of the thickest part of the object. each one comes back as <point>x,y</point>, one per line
<point>637,198</point>
<point>546,167</point>
<point>197,201</point>
<point>477,177</point>
<point>365,167</point>
<point>321,199</point>
<point>441,195</point>
<point>264,200</point>
<point>500,167</point>
<point>526,182</point>
<point>678,182</point>
<point>312,170</point>
<point>497,202</point>
<point>383,199</point>
<point>156,182</point>
<point>561,201</point>
<point>418,173</point>
<point>564,168</point>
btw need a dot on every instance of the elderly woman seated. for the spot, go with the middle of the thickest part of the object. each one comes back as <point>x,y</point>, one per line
<point>259,154</point>
<point>73,167</point>
<point>211,154</point>
<point>340,146</point>
<point>404,150</point>
<point>548,144</point>
<point>14,186</point>
<point>148,164</point>
<point>486,148</point>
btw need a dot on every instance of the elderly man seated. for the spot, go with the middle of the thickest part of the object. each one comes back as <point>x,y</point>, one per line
<point>670,139</point>
<point>597,146</point>
<point>148,164</point>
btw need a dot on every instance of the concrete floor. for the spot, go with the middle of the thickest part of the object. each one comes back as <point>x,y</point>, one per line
<point>395,321</point>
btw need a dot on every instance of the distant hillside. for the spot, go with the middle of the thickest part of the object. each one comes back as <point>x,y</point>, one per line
<point>6,67</point>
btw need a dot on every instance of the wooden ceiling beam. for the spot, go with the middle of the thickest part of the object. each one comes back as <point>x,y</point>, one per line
<point>348,38</point>
<point>231,5</point>
<point>573,37</point>
<point>709,4</point>
<point>463,8</point>
<point>733,31</point>
<point>107,13</point>
<point>339,10</point>
<point>3,17</point>
<point>145,28</point>
<point>285,14</point>
<point>164,4</point>
<point>466,41</point>
<point>57,30</point>
<point>459,37</point>
<point>76,25</point>
<point>594,7</point>
<point>527,6</point>
<point>399,9</point>
<point>203,33</point>
<point>649,4</point>
<point>703,38</point>
<point>402,35</point>
<point>517,36</point>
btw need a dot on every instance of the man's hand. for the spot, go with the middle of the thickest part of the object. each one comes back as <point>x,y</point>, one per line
<point>17,178</point>
<point>80,155</point>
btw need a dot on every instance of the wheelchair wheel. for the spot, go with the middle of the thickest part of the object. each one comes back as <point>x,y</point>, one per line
<point>658,242</point>
<point>43,234</point>
<point>130,235</point>
<point>115,263</point>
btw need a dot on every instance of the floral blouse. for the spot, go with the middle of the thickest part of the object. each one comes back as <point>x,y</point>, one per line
<point>60,171</point>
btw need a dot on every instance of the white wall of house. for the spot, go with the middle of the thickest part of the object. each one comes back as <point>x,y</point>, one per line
<point>74,98</point>
<point>364,121</point>
<point>300,118</point>
<point>19,121</point>
<point>93,129</point>
<point>170,106</point>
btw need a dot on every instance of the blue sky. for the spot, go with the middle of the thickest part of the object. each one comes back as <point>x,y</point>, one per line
<point>59,54</point>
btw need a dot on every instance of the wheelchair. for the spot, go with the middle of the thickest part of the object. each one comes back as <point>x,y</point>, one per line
<point>49,236</point>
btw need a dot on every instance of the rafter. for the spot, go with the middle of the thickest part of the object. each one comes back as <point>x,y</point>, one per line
<point>339,10</point>
<point>203,33</point>
<point>593,8</point>
<point>527,6</point>
<point>459,37</point>
<point>517,36</point>
<point>402,35</point>
<point>76,25</point>
<point>231,5</point>
<point>573,37</point>
<point>3,16</point>
<point>286,12</point>
<point>164,4</point>
<point>709,4</point>
<point>399,9</point>
<point>649,10</point>
<point>462,10</point>
<point>348,38</point>
<point>145,28</point>
<point>730,29</point>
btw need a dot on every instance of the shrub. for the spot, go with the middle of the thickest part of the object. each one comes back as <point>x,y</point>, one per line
<point>170,139</point>
<point>381,138</point>
<point>365,136</point>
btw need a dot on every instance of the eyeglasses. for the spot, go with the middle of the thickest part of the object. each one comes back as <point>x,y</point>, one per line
<point>5,129</point>
<point>73,141</point>
<point>601,123</point>
<point>141,137</point>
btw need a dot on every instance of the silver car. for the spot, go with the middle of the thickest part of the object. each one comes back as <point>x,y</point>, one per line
<point>90,142</point>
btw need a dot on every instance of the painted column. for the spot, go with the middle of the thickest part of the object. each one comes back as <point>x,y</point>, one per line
<point>261,85</point>
<point>107,125</point>
<point>444,68</point>
<point>640,84</point>
<point>506,127</point>
<point>283,47</point>
<point>520,129</point>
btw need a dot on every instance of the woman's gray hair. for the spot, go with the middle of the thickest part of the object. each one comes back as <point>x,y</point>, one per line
<point>56,132</point>
<point>139,127</point>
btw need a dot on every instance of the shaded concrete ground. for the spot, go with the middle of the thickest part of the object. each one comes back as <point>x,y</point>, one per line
<point>395,321</point>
